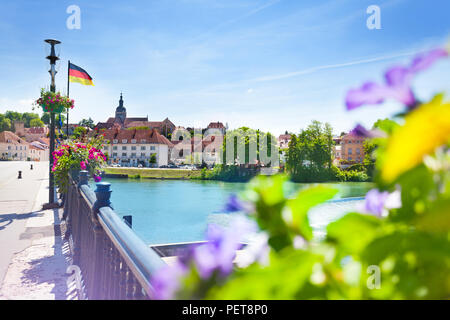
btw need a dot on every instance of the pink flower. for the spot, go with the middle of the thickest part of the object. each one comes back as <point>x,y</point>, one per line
<point>97,178</point>
<point>83,165</point>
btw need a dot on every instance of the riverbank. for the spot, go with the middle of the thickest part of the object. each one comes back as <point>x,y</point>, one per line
<point>152,173</point>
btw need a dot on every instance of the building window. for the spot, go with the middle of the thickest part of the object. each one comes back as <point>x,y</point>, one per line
<point>124,140</point>
<point>115,148</point>
<point>124,148</point>
<point>142,147</point>
<point>133,155</point>
<point>143,141</point>
<point>349,151</point>
<point>115,154</point>
<point>152,148</point>
<point>133,148</point>
<point>115,141</point>
<point>124,154</point>
<point>142,154</point>
<point>133,140</point>
<point>358,151</point>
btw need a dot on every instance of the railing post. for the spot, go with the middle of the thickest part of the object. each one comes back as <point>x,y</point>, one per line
<point>103,194</point>
<point>83,178</point>
<point>77,221</point>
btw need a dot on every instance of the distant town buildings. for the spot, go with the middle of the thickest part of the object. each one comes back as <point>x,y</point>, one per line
<point>133,147</point>
<point>13,147</point>
<point>283,141</point>
<point>30,134</point>
<point>348,149</point>
<point>121,120</point>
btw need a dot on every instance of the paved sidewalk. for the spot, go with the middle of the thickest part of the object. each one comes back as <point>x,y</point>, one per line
<point>38,269</point>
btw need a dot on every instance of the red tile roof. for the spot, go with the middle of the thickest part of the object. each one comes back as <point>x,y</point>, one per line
<point>9,137</point>
<point>216,125</point>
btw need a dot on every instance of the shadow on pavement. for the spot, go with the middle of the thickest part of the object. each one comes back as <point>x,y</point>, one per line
<point>7,219</point>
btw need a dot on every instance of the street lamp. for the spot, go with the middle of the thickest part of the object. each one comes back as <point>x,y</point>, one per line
<point>53,58</point>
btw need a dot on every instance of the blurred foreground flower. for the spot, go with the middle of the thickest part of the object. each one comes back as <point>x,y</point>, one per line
<point>213,259</point>
<point>362,132</point>
<point>167,280</point>
<point>379,203</point>
<point>398,83</point>
<point>425,129</point>
<point>234,204</point>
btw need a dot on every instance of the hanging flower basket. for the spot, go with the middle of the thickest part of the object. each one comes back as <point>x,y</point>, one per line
<point>54,102</point>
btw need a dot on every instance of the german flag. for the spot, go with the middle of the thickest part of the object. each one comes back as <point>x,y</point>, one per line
<point>77,74</point>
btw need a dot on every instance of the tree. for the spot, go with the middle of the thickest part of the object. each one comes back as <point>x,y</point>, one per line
<point>46,118</point>
<point>87,123</point>
<point>36,123</point>
<point>13,116</point>
<point>309,156</point>
<point>27,117</point>
<point>78,132</point>
<point>5,123</point>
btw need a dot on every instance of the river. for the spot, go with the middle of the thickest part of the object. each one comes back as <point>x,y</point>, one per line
<point>171,211</point>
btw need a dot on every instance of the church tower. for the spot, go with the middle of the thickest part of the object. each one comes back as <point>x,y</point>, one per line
<point>121,112</point>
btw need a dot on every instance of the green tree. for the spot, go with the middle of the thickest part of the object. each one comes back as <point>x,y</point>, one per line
<point>79,132</point>
<point>87,123</point>
<point>309,156</point>
<point>5,123</point>
<point>36,123</point>
<point>27,117</point>
<point>13,116</point>
<point>46,118</point>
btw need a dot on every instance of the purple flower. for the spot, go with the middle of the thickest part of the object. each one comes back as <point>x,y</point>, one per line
<point>167,280</point>
<point>378,203</point>
<point>234,204</point>
<point>398,83</point>
<point>219,252</point>
<point>217,255</point>
<point>362,132</point>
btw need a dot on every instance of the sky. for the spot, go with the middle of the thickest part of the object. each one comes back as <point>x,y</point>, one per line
<point>273,65</point>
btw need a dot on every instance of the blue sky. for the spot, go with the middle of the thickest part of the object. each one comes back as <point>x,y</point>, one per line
<point>268,64</point>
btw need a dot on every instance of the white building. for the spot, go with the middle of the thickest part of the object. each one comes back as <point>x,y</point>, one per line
<point>131,148</point>
<point>39,151</point>
<point>12,147</point>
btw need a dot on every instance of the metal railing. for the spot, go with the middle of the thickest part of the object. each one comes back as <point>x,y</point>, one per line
<point>114,262</point>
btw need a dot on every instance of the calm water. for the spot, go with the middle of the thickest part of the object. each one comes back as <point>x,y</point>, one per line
<point>167,211</point>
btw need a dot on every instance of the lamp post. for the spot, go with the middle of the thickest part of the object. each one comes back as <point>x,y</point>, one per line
<point>53,58</point>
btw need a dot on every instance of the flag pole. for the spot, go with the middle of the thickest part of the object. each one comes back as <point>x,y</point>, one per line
<point>68,94</point>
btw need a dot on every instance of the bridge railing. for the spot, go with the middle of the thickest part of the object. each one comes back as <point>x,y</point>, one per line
<point>114,262</point>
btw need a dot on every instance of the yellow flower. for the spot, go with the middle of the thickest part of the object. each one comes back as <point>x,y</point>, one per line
<point>425,129</point>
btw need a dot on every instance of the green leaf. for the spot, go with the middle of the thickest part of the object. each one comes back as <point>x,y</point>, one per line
<point>353,231</point>
<point>302,203</point>
<point>437,219</point>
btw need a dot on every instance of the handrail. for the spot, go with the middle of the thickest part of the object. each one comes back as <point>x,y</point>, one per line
<point>142,260</point>
<point>115,263</point>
